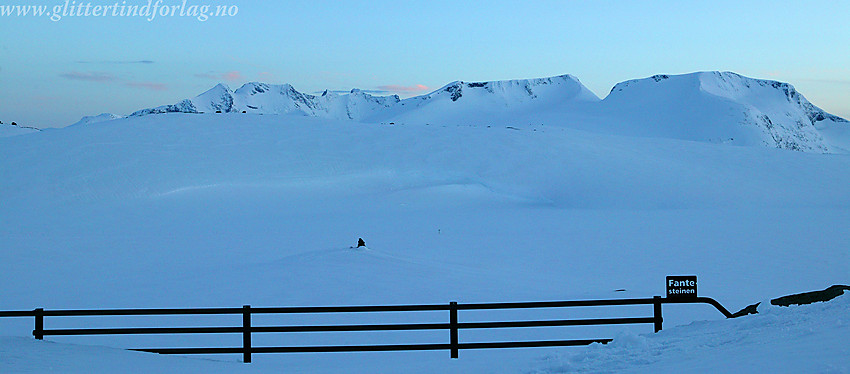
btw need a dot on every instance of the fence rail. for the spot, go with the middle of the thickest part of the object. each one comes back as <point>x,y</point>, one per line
<point>452,325</point>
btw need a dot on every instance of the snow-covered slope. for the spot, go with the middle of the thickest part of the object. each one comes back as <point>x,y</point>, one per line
<point>713,107</point>
<point>721,107</point>
<point>95,119</point>
<point>797,339</point>
<point>10,130</point>
<point>194,210</point>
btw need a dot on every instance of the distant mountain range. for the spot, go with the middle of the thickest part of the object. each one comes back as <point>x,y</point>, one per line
<point>717,107</point>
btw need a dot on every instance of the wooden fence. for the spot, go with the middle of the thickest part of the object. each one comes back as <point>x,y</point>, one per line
<point>452,325</point>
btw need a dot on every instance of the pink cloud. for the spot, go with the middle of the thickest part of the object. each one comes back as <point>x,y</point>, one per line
<point>419,88</point>
<point>153,86</point>
<point>230,76</point>
<point>90,76</point>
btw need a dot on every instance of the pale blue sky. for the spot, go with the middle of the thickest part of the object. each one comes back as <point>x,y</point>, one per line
<point>53,73</point>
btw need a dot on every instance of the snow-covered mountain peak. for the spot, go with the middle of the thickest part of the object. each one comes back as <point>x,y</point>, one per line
<point>221,87</point>
<point>736,87</point>
<point>218,91</point>
<point>287,89</point>
<point>562,87</point>
<point>725,84</point>
<point>252,88</point>
<point>87,120</point>
<point>218,98</point>
<point>725,107</point>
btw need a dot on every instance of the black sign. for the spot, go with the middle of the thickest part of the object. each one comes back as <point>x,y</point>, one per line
<point>681,286</point>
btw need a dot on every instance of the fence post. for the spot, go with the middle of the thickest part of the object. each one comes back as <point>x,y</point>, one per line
<point>246,334</point>
<point>656,309</point>
<point>453,327</point>
<point>38,333</point>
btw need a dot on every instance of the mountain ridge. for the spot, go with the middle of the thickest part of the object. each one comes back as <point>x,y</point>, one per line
<point>714,106</point>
